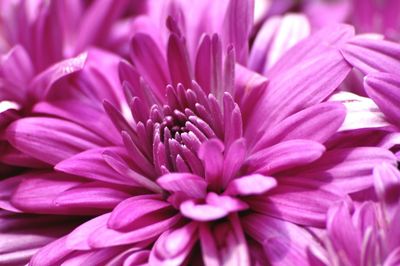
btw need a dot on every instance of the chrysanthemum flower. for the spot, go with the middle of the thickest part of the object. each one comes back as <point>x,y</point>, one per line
<point>370,235</point>
<point>212,164</point>
<point>212,170</point>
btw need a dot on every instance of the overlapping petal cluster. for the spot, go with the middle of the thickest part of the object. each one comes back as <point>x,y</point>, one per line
<point>192,133</point>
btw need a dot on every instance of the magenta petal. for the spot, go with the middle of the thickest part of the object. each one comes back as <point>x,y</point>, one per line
<point>202,212</point>
<point>283,242</point>
<point>7,188</point>
<point>78,239</point>
<point>97,21</point>
<point>334,35</point>
<point>302,86</point>
<point>211,154</point>
<point>228,203</point>
<point>37,192</point>
<point>91,195</point>
<point>42,82</point>
<point>106,237</point>
<point>90,164</point>
<point>285,155</point>
<point>237,27</point>
<point>131,210</point>
<point>51,254</point>
<point>306,124</point>
<point>343,234</point>
<point>250,185</point>
<point>192,185</point>
<point>372,55</point>
<point>208,246</point>
<point>16,71</point>
<point>150,63</point>
<point>297,203</point>
<point>350,169</point>
<point>173,246</point>
<point>387,182</point>
<point>362,112</point>
<point>394,258</point>
<point>61,138</point>
<point>384,89</point>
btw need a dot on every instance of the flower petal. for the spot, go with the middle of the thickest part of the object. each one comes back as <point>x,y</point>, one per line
<point>128,213</point>
<point>250,185</point>
<point>61,138</point>
<point>384,89</point>
<point>192,185</point>
<point>284,155</point>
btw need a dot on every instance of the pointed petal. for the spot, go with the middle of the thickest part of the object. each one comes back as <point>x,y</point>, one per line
<point>51,254</point>
<point>237,26</point>
<point>178,62</point>
<point>150,63</point>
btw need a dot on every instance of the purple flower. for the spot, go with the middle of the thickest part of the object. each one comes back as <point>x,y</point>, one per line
<point>368,235</point>
<point>195,158</point>
<point>220,169</point>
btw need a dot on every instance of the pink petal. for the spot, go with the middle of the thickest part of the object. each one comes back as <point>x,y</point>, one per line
<point>285,155</point>
<point>297,203</point>
<point>350,169</point>
<point>250,185</point>
<point>90,164</point>
<point>384,89</point>
<point>91,195</point>
<point>208,246</point>
<point>202,212</point>
<point>387,183</point>
<point>105,237</point>
<point>228,203</point>
<point>51,254</point>
<point>78,239</point>
<point>192,185</point>
<point>174,246</point>
<point>334,35</point>
<point>362,112</point>
<point>42,82</point>
<point>150,63</point>
<point>210,153</point>
<point>343,234</point>
<point>61,138</point>
<point>37,192</point>
<point>372,55</point>
<point>283,242</point>
<point>306,125</point>
<point>17,71</point>
<point>237,26</point>
<point>133,212</point>
<point>302,86</point>
<point>178,62</point>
